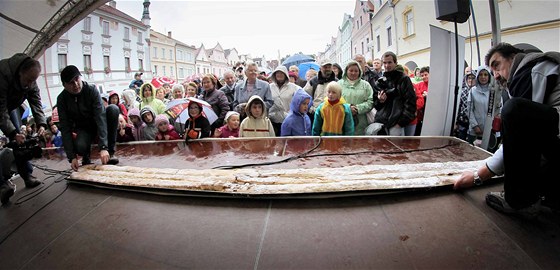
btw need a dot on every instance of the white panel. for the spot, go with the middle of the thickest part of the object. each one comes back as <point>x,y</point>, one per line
<point>439,105</point>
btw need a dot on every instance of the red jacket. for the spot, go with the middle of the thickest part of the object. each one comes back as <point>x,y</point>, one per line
<point>420,88</point>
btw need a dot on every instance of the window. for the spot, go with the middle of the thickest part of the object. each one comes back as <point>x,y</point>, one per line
<point>127,64</point>
<point>155,52</point>
<point>139,37</point>
<point>106,62</point>
<point>409,22</point>
<point>155,70</point>
<point>181,73</point>
<point>180,55</point>
<point>171,72</point>
<point>87,62</point>
<point>105,28</point>
<point>62,61</point>
<point>378,43</point>
<point>170,55</point>
<point>127,33</point>
<point>189,57</point>
<point>163,54</point>
<point>140,64</point>
<point>389,37</point>
<point>164,71</point>
<point>367,44</point>
<point>87,24</point>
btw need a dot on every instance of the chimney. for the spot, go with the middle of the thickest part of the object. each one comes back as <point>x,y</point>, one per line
<point>169,34</point>
<point>113,4</point>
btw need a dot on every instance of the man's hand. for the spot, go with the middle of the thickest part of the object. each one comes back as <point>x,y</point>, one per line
<point>381,96</point>
<point>41,131</point>
<point>477,130</point>
<point>75,164</point>
<point>104,155</point>
<point>465,181</point>
<point>20,138</point>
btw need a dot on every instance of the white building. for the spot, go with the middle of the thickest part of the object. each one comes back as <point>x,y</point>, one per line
<point>184,60</point>
<point>108,47</point>
<point>346,40</point>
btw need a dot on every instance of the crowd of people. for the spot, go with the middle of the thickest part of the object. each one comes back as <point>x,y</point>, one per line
<point>381,97</point>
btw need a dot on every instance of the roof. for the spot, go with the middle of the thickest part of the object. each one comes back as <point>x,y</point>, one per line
<point>120,14</point>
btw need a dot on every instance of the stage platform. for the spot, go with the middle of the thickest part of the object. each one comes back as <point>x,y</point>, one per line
<point>62,226</point>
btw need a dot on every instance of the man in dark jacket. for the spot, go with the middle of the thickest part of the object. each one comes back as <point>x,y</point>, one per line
<point>18,76</point>
<point>81,111</point>
<point>395,101</point>
<point>528,157</point>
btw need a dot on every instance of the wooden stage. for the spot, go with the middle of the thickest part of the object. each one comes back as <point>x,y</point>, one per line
<point>93,228</point>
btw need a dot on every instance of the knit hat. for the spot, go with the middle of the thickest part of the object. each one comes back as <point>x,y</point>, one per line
<point>162,118</point>
<point>69,73</point>
<point>229,114</point>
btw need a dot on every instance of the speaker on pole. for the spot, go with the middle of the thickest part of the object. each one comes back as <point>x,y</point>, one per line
<point>453,10</point>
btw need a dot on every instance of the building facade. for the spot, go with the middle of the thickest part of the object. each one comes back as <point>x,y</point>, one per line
<point>108,47</point>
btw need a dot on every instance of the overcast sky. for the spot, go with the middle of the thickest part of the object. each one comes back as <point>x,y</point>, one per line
<point>252,27</point>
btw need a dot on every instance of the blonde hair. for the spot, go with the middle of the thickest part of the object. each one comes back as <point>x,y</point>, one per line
<point>334,87</point>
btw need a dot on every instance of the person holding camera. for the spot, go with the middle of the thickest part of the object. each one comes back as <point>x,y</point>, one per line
<point>394,98</point>
<point>81,112</point>
<point>18,76</point>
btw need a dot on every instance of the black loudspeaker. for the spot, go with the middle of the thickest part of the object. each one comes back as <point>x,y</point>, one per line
<point>453,10</point>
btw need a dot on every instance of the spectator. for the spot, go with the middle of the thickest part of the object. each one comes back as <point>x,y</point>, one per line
<point>191,90</point>
<point>231,128</point>
<point>115,99</point>
<point>282,92</point>
<point>197,126</point>
<point>298,123</point>
<point>160,94</point>
<point>421,89</point>
<point>256,124</point>
<point>367,74</point>
<point>395,99</point>
<point>124,133</point>
<point>148,116</point>
<point>310,74</point>
<point>333,117</point>
<point>299,81</point>
<point>229,87</point>
<point>178,92</point>
<point>166,132</point>
<point>337,70</point>
<point>252,86</point>
<point>216,99</point>
<point>462,124</point>
<point>137,124</point>
<point>359,94</point>
<point>316,86</point>
<point>130,99</point>
<point>147,95</point>
<point>137,82</point>
<point>478,104</point>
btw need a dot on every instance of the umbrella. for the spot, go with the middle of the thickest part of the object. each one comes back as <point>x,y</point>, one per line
<point>304,67</point>
<point>297,59</point>
<point>159,81</point>
<point>178,109</point>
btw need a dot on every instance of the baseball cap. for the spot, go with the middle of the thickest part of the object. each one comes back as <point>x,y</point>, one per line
<point>326,62</point>
<point>138,74</point>
<point>69,73</point>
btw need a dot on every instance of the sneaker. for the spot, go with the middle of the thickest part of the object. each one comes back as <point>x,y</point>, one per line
<point>5,193</point>
<point>497,201</point>
<point>113,160</point>
<point>86,161</point>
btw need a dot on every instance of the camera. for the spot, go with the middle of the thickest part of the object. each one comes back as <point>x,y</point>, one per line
<point>28,150</point>
<point>383,84</point>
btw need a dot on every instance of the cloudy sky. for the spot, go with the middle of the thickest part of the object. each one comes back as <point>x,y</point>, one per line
<point>252,27</point>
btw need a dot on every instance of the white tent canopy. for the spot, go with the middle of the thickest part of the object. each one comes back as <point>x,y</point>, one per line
<point>31,26</point>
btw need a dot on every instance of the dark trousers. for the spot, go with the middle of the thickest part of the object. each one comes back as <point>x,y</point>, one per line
<point>85,137</point>
<point>24,167</point>
<point>531,151</point>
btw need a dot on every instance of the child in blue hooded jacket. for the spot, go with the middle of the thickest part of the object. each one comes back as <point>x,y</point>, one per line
<point>298,123</point>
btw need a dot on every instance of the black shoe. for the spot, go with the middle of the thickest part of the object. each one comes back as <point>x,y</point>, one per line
<point>113,160</point>
<point>31,183</point>
<point>5,193</point>
<point>86,161</point>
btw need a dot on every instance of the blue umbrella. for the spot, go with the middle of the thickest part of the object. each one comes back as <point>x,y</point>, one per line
<point>297,59</point>
<point>304,67</point>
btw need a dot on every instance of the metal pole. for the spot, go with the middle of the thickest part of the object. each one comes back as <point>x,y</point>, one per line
<point>475,33</point>
<point>495,20</point>
<point>495,91</point>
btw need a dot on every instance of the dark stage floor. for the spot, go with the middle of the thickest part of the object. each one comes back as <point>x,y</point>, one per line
<point>92,228</point>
